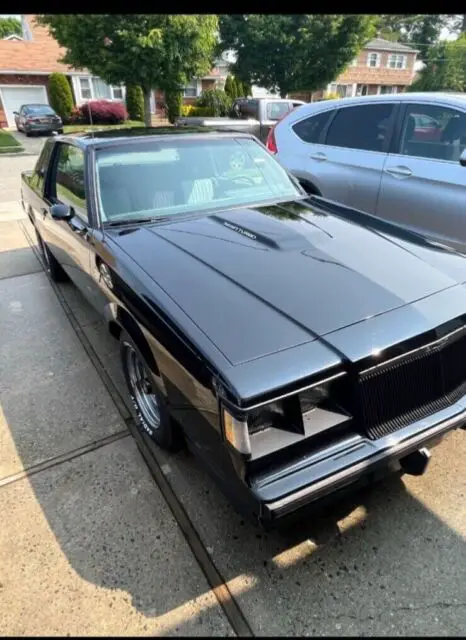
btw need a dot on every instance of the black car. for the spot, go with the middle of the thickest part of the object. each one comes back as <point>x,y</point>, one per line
<point>37,118</point>
<point>296,345</point>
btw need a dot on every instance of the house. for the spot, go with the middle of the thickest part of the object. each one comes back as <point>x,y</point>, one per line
<point>27,61</point>
<point>381,67</point>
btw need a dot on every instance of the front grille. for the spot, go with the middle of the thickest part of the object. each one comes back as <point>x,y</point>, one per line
<point>413,386</point>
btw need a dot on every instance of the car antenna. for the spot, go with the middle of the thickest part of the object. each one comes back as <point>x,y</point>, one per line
<point>90,117</point>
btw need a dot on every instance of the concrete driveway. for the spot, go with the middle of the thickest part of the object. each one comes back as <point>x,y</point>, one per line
<point>89,543</point>
<point>33,144</point>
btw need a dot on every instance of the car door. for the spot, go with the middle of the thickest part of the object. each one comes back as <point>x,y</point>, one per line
<point>71,240</point>
<point>423,183</point>
<point>356,146</point>
<point>19,117</point>
<point>342,152</point>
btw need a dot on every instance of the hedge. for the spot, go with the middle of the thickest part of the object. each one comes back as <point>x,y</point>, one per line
<point>61,96</point>
<point>135,102</point>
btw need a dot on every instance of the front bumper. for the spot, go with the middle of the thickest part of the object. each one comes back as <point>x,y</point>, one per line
<point>294,486</point>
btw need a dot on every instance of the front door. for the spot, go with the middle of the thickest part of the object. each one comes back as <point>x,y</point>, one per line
<point>423,185</point>
<point>70,240</point>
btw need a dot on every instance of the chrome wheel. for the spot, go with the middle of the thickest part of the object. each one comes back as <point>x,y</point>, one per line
<point>141,388</point>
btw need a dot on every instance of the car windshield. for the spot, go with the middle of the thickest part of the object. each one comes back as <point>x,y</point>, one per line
<point>40,110</point>
<point>175,177</point>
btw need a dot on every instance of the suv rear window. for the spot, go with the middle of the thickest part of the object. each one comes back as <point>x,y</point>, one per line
<point>310,129</point>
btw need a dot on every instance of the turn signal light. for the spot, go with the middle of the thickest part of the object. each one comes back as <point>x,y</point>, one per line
<point>236,433</point>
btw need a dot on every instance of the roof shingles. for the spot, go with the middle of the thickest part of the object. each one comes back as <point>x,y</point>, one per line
<point>41,54</point>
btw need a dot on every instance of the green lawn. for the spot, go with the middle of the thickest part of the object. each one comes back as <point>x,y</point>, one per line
<point>73,128</point>
<point>9,144</point>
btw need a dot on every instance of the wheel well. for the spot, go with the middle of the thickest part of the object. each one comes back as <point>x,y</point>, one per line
<point>309,187</point>
<point>125,321</point>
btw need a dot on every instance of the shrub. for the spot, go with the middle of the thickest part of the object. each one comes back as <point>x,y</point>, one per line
<point>240,90</point>
<point>61,97</point>
<point>191,110</point>
<point>135,102</point>
<point>331,95</point>
<point>102,111</point>
<point>173,102</point>
<point>229,90</point>
<point>215,99</point>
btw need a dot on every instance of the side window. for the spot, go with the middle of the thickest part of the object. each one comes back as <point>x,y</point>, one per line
<point>434,132</point>
<point>361,127</point>
<point>310,129</point>
<point>38,176</point>
<point>69,178</point>
<point>252,109</point>
<point>278,110</point>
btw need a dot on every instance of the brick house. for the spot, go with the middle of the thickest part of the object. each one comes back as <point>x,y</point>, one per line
<point>381,67</point>
<point>27,61</point>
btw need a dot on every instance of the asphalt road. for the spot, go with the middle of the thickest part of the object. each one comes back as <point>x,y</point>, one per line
<point>89,544</point>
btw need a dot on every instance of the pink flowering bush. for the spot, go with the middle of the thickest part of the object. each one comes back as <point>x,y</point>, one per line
<point>102,111</point>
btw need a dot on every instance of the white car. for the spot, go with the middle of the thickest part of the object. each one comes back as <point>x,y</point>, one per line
<point>397,156</point>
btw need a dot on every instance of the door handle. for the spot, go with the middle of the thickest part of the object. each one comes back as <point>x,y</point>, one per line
<point>399,171</point>
<point>318,156</point>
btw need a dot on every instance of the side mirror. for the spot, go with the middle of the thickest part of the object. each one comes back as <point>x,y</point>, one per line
<point>463,158</point>
<point>61,212</point>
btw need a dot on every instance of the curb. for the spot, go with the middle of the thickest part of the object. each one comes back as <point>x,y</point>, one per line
<point>17,155</point>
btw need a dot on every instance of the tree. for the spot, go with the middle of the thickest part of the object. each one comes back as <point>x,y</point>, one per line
<point>294,51</point>
<point>421,31</point>
<point>10,26</point>
<point>134,102</point>
<point>61,97</point>
<point>445,68</point>
<point>162,51</point>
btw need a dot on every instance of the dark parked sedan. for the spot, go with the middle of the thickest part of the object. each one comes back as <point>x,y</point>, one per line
<point>37,118</point>
<point>296,345</point>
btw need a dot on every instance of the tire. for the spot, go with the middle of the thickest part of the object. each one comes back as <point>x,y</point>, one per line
<point>28,133</point>
<point>52,266</point>
<point>309,188</point>
<point>149,407</point>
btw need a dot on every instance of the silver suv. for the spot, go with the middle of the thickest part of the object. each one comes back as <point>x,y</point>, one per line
<point>397,156</point>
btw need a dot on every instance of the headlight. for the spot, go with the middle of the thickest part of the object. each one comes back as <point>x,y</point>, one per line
<point>236,432</point>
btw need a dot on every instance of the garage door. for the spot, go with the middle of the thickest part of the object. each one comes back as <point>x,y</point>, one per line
<point>14,97</point>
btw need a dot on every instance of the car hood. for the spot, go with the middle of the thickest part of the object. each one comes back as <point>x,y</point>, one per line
<point>262,279</point>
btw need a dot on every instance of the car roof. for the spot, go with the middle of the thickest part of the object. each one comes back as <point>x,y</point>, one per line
<point>425,96</point>
<point>108,138</point>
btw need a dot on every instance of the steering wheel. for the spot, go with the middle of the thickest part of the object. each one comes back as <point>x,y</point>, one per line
<point>246,179</point>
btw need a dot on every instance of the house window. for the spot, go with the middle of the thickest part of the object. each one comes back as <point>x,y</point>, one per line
<point>85,88</point>
<point>117,92</point>
<point>190,90</point>
<point>388,89</point>
<point>373,60</point>
<point>396,61</point>
<point>96,89</point>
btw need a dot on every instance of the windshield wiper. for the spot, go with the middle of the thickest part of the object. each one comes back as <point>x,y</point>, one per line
<point>120,223</point>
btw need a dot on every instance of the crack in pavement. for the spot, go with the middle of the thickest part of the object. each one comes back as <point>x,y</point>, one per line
<point>391,612</point>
